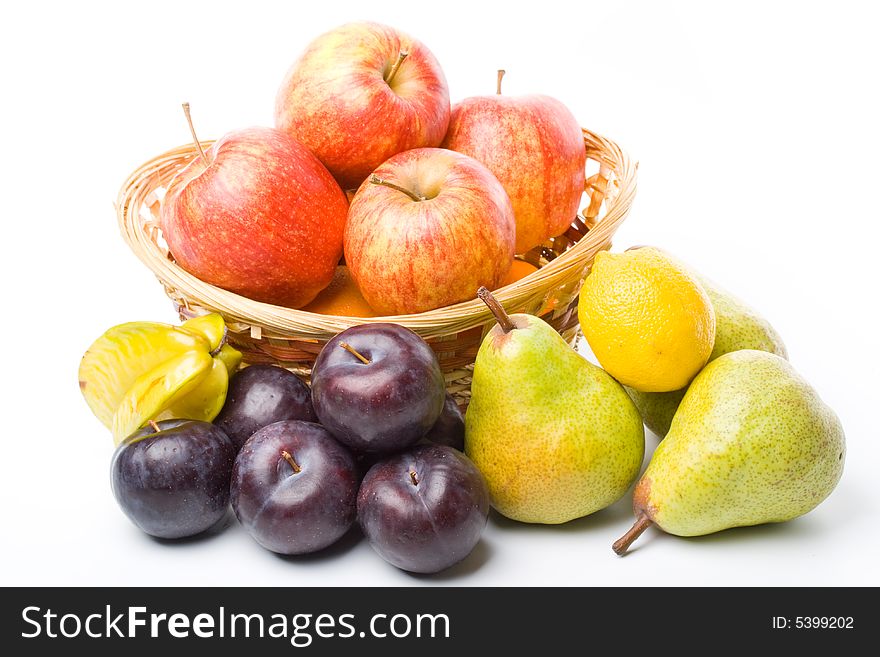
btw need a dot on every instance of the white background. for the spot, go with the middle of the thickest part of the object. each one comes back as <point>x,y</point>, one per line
<point>756,127</point>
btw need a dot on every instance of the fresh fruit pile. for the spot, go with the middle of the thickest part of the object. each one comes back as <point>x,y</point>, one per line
<point>747,440</point>
<point>441,197</point>
<point>290,458</point>
<point>440,200</point>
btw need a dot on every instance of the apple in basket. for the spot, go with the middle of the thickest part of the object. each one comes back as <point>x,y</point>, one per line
<point>256,214</point>
<point>427,229</point>
<point>361,93</point>
<point>535,147</point>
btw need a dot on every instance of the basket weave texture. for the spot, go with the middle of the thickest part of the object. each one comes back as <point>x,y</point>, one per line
<point>293,338</point>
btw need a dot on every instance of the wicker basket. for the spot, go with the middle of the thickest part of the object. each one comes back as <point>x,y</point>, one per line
<point>293,338</point>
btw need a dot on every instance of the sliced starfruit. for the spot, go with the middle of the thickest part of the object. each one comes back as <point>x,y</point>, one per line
<point>211,327</point>
<point>204,401</point>
<point>125,352</point>
<point>161,388</point>
<point>144,371</point>
<point>230,357</point>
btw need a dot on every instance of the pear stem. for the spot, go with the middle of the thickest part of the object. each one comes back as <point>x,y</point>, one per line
<point>293,464</point>
<point>193,132</point>
<point>622,544</point>
<point>154,426</point>
<point>497,309</point>
<point>355,353</point>
<point>376,180</point>
<point>403,54</point>
<point>501,73</point>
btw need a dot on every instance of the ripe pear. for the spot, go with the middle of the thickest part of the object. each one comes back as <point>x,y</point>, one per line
<point>751,443</point>
<point>737,326</point>
<point>555,437</point>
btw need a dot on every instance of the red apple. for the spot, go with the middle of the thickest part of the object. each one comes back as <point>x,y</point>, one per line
<point>535,147</point>
<point>427,229</point>
<point>258,215</point>
<point>360,94</point>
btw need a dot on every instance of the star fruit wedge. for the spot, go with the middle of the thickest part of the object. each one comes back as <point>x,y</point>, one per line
<point>142,371</point>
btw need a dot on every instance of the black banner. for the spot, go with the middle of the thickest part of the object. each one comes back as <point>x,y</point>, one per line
<point>432,621</point>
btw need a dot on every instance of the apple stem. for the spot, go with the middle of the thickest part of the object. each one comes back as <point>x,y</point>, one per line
<point>154,426</point>
<point>376,180</point>
<point>501,73</point>
<point>622,544</point>
<point>413,477</point>
<point>293,464</point>
<point>355,353</point>
<point>403,54</point>
<point>497,309</point>
<point>193,132</point>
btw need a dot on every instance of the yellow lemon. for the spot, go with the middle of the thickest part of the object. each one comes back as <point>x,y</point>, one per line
<point>649,322</point>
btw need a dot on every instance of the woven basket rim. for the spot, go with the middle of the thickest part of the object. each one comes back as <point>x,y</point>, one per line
<point>614,162</point>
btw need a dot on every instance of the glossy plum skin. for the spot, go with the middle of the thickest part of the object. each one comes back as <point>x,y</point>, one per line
<point>174,483</point>
<point>449,427</point>
<point>423,510</point>
<point>385,405</point>
<point>291,512</point>
<point>260,395</point>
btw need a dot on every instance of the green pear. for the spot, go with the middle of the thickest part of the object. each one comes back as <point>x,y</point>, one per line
<point>737,326</point>
<point>656,408</point>
<point>555,437</point>
<point>751,443</point>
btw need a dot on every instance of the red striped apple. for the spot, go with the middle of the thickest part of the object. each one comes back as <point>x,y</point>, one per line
<point>427,229</point>
<point>535,147</point>
<point>259,215</point>
<point>360,94</point>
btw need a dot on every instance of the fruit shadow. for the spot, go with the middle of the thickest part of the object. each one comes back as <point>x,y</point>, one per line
<point>618,515</point>
<point>344,545</point>
<point>805,530</point>
<point>799,530</point>
<point>209,534</point>
<point>481,553</point>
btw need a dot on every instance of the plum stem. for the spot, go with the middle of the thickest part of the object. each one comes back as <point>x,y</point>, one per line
<point>355,353</point>
<point>414,477</point>
<point>403,54</point>
<point>376,180</point>
<point>154,426</point>
<point>193,132</point>
<point>497,309</point>
<point>501,73</point>
<point>621,545</point>
<point>293,464</point>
